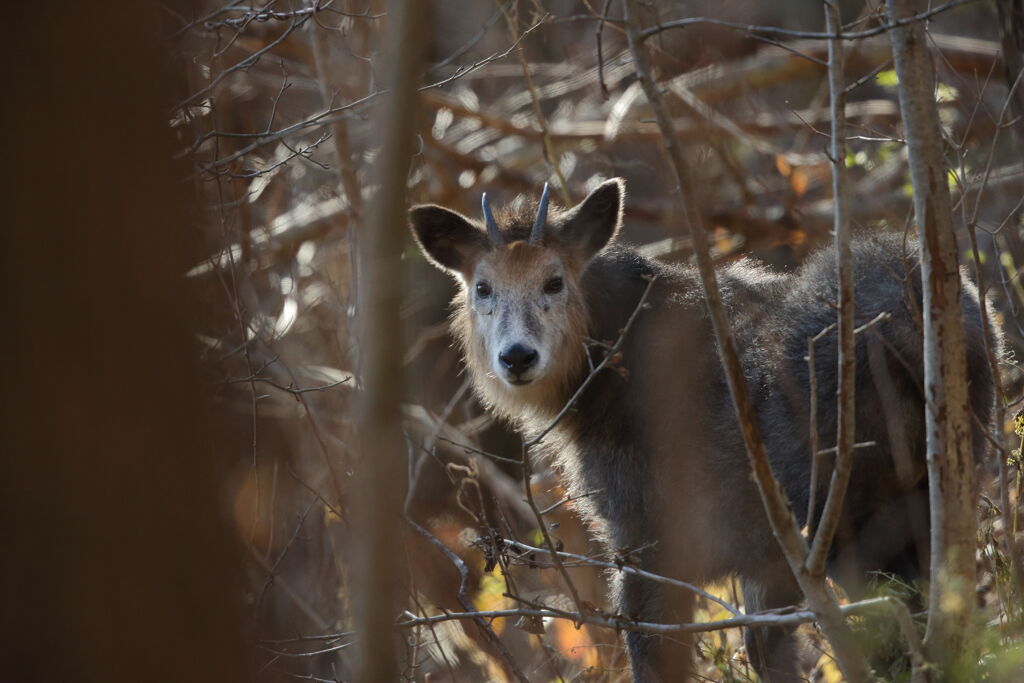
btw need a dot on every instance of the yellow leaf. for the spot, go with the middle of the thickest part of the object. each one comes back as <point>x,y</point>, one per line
<point>829,671</point>
<point>723,240</point>
<point>491,597</point>
<point>782,165</point>
<point>798,181</point>
<point>575,644</point>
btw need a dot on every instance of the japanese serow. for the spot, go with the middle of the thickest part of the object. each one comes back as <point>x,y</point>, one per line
<point>656,446</point>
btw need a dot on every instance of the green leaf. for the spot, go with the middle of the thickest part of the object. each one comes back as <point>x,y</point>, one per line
<point>946,93</point>
<point>887,79</point>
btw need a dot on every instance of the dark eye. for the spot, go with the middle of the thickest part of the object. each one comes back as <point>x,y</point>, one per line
<point>483,290</point>
<point>553,286</point>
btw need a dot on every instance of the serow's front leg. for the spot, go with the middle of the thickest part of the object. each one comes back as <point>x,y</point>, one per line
<point>656,658</point>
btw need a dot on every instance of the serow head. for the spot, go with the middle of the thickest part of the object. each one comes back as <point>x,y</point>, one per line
<point>520,312</point>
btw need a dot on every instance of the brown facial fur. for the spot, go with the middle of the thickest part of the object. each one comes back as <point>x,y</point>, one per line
<point>519,309</point>
<point>517,273</point>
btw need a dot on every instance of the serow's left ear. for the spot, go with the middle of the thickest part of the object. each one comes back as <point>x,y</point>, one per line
<point>593,223</point>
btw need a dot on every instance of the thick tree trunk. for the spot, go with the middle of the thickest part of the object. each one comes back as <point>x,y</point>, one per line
<point>950,460</point>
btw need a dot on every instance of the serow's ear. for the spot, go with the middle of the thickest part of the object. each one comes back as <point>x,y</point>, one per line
<point>593,223</point>
<point>447,238</point>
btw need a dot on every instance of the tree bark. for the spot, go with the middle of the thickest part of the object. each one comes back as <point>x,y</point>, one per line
<point>950,458</point>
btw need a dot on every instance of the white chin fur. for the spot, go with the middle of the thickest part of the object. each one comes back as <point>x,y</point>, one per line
<point>513,382</point>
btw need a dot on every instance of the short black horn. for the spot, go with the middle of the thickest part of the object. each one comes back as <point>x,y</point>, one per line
<point>542,216</point>
<point>492,225</point>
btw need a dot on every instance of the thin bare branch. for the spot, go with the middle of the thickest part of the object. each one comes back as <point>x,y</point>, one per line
<point>785,617</point>
<point>809,35</point>
<point>783,524</point>
<point>826,528</point>
<point>626,569</point>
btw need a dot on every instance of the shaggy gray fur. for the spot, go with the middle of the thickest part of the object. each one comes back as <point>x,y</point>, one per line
<point>659,450</point>
<point>664,447</point>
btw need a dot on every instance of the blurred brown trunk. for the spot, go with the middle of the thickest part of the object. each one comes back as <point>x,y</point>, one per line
<point>381,490</point>
<point>119,563</point>
<point>950,459</point>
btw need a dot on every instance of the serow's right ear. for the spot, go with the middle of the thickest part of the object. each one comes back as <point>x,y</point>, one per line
<point>447,238</point>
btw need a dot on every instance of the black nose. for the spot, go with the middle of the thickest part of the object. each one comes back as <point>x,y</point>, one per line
<point>518,359</point>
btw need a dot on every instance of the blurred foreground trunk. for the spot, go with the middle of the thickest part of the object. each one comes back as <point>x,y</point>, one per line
<point>381,492</point>
<point>118,562</point>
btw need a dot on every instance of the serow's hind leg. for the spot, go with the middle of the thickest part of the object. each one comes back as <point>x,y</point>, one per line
<point>888,557</point>
<point>773,650</point>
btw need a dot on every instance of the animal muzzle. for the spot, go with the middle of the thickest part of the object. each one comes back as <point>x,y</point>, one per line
<point>517,360</point>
